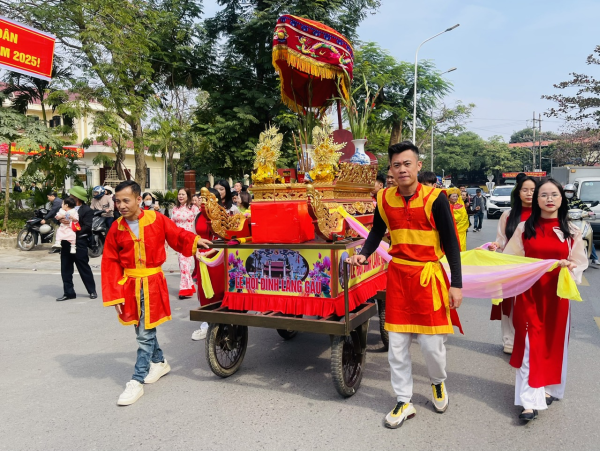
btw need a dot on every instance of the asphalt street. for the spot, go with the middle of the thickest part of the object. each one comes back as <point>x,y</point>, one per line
<point>65,364</point>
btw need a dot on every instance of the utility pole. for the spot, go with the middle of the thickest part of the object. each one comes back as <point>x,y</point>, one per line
<point>533,142</point>
<point>540,137</point>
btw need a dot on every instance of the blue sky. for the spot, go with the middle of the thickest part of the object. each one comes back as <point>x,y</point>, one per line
<point>508,53</point>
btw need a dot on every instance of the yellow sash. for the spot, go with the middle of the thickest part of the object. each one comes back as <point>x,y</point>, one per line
<point>141,277</point>
<point>431,271</point>
<point>205,276</point>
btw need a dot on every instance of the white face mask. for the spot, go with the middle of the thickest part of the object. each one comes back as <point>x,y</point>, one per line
<point>147,203</point>
<point>569,195</point>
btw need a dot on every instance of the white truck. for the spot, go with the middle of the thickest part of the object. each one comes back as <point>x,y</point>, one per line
<point>569,174</point>
<point>588,190</point>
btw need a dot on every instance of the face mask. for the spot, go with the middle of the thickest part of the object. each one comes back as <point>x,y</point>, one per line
<point>569,195</point>
<point>147,203</point>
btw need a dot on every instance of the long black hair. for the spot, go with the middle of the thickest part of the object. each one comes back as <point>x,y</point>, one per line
<point>514,217</point>
<point>536,211</point>
<point>227,202</point>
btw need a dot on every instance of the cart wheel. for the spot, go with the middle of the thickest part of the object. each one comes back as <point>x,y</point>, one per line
<point>385,339</point>
<point>225,348</point>
<point>347,360</point>
<point>287,334</point>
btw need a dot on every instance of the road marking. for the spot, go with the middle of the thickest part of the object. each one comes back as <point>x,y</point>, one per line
<point>584,282</point>
<point>597,319</point>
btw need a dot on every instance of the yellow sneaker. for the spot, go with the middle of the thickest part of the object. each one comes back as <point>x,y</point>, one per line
<point>402,411</point>
<point>440,397</point>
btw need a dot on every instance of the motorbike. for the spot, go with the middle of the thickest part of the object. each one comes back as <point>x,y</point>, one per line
<point>581,219</point>
<point>34,230</point>
<point>99,231</point>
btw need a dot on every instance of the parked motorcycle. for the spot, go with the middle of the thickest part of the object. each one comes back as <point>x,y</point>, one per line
<point>581,219</point>
<point>34,230</point>
<point>99,231</point>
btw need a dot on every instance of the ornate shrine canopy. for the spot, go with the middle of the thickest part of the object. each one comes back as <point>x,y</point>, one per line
<point>310,58</point>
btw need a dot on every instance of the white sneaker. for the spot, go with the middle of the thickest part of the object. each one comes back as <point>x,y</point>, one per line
<point>403,411</point>
<point>133,391</point>
<point>199,334</point>
<point>73,250</point>
<point>157,370</point>
<point>596,262</point>
<point>440,397</point>
<point>508,349</point>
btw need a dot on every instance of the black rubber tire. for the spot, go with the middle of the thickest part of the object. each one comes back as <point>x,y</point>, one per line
<point>26,240</point>
<point>97,250</point>
<point>346,364</point>
<point>225,348</point>
<point>385,338</point>
<point>287,334</point>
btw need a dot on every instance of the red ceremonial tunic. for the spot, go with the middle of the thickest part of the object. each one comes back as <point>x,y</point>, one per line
<point>144,257</point>
<point>417,287</point>
<point>505,307</point>
<point>540,314</point>
<point>216,273</point>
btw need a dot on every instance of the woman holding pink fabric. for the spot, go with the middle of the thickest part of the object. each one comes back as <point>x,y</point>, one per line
<point>521,199</point>
<point>540,317</point>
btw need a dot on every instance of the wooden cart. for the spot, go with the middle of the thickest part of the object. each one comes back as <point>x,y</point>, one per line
<point>227,336</point>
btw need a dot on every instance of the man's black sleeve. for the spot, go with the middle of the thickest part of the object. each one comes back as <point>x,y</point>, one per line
<point>86,217</point>
<point>444,222</point>
<point>375,235</point>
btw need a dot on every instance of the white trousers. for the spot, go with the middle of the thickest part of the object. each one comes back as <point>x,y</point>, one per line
<point>434,352</point>
<point>508,329</point>
<point>535,398</point>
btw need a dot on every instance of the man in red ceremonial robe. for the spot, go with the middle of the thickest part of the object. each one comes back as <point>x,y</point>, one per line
<point>418,301</point>
<point>133,280</point>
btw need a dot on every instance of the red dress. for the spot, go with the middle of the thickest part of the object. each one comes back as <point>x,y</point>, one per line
<point>540,314</point>
<point>217,273</point>
<point>505,306</point>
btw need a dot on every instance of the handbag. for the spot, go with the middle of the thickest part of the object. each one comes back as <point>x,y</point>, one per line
<point>75,226</point>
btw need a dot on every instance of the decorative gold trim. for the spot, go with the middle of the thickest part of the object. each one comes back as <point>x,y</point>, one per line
<point>328,222</point>
<point>221,221</point>
<point>360,174</point>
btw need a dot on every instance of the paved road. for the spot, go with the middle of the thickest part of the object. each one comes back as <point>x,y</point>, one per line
<point>64,365</point>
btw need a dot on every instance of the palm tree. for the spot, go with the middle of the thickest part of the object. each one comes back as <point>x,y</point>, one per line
<point>27,89</point>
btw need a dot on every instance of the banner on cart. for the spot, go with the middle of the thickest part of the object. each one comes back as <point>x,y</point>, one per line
<point>26,50</point>
<point>375,265</point>
<point>288,272</point>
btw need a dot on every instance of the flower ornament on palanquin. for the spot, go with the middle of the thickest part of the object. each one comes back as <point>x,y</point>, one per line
<point>325,154</point>
<point>267,152</point>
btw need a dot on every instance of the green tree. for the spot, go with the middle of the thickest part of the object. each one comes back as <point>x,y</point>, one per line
<point>394,105</point>
<point>526,135</point>
<point>584,105</point>
<point>14,128</point>
<point>243,86</point>
<point>26,89</point>
<point>123,48</point>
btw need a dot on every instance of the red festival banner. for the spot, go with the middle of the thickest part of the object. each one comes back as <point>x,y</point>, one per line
<point>26,50</point>
<point>512,175</point>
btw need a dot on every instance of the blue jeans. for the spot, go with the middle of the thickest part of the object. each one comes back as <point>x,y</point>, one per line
<point>478,220</point>
<point>148,349</point>
<point>594,255</point>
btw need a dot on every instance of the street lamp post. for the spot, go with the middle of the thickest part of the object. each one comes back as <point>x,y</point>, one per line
<point>433,124</point>
<point>414,134</point>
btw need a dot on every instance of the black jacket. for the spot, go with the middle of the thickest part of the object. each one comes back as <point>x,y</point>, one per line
<point>86,217</point>
<point>56,205</point>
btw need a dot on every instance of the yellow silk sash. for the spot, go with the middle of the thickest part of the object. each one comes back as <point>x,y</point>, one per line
<point>431,271</point>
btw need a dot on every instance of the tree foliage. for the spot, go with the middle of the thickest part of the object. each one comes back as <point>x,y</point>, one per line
<point>394,105</point>
<point>243,86</point>
<point>123,48</point>
<point>584,104</point>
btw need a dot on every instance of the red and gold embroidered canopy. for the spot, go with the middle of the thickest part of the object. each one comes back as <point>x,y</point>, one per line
<point>310,58</point>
